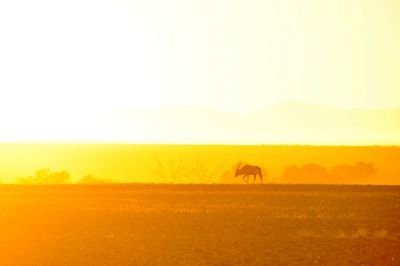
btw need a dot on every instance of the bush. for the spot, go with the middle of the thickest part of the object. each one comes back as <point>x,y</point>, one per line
<point>45,176</point>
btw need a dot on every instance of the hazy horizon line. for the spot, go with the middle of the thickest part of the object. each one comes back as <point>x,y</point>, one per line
<point>107,142</point>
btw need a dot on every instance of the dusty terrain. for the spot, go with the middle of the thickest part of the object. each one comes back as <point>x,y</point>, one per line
<point>199,225</point>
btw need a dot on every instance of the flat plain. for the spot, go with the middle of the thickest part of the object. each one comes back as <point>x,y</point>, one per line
<point>151,224</point>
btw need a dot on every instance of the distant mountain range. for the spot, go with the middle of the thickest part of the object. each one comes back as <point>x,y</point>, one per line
<point>289,123</point>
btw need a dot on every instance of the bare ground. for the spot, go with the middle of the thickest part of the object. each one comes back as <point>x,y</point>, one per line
<point>199,225</point>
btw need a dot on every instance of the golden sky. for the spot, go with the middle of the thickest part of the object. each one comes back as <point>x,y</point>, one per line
<point>67,67</point>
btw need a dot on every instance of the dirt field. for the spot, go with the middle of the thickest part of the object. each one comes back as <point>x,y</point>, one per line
<point>199,225</point>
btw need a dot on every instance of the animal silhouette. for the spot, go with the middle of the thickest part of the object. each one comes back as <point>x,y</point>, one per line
<point>248,170</point>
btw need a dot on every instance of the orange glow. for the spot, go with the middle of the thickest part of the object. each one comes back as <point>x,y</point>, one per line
<point>204,132</point>
<point>200,163</point>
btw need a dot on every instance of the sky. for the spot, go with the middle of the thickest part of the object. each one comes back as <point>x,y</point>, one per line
<point>66,67</point>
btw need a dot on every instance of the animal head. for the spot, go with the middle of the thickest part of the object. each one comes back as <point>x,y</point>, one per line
<point>237,172</point>
<point>238,168</point>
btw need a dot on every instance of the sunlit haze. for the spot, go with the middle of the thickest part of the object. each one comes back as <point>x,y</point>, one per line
<point>199,132</point>
<point>212,71</point>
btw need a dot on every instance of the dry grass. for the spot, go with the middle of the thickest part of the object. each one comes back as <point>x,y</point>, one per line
<point>199,225</point>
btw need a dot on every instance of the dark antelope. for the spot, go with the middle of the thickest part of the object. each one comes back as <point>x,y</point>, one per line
<point>248,170</point>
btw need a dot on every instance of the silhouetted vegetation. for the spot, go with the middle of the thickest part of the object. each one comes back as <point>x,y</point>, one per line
<point>307,174</point>
<point>360,172</point>
<point>46,176</point>
<point>168,171</point>
<point>182,169</point>
<point>186,170</point>
<point>340,174</point>
<point>198,163</point>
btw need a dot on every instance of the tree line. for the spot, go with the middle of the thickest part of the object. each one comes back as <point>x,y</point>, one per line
<point>46,176</point>
<point>359,172</point>
<point>183,170</point>
<point>312,173</point>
